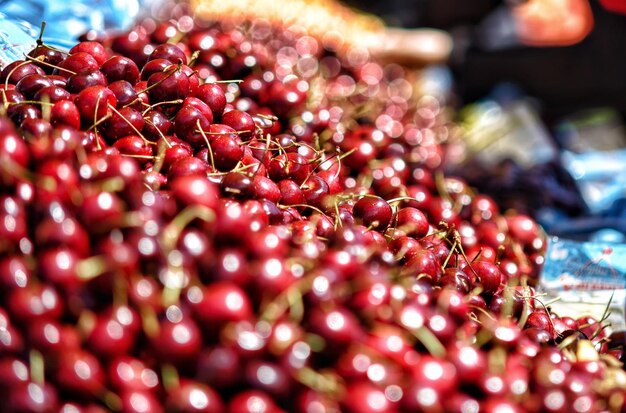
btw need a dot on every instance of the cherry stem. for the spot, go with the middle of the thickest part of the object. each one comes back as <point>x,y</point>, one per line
<point>92,267</point>
<point>324,383</point>
<point>41,30</point>
<point>146,141</point>
<point>37,367</point>
<point>169,374</point>
<point>430,341</point>
<point>6,82</point>
<point>604,317</point>
<point>111,400</point>
<point>171,233</point>
<point>208,144</point>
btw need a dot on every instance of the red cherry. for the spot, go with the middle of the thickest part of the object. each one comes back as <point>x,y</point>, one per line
<point>374,212</point>
<point>93,103</point>
<point>118,68</point>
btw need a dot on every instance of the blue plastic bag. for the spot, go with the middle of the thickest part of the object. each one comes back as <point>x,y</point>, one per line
<point>20,22</point>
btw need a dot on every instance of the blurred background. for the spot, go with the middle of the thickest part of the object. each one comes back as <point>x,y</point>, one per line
<point>540,88</point>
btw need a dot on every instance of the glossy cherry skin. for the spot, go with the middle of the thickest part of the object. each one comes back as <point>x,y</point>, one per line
<point>374,212</point>
<point>489,275</point>
<point>49,55</point>
<point>128,373</point>
<point>242,122</point>
<point>95,49</point>
<point>80,81</point>
<point>80,372</point>
<point>136,401</point>
<point>213,95</point>
<point>365,397</point>
<point>250,400</point>
<point>413,222</point>
<point>169,52</point>
<point>36,301</point>
<point>76,63</point>
<point>17,70</point>
<point>192,396</point>
<point>65,112</point>
<point>33,397</point>
<point>221,302</point>
<point>123,122</point>
<point>168,85</point>
<point>31,84</point>
<point>93,103</point>
<point>15,272</point>
<point>179,338</point>
<point>120,68</point>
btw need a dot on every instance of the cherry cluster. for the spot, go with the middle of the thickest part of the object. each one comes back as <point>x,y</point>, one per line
<point>220,218</point>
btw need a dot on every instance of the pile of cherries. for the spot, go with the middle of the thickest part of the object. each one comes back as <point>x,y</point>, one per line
<point>218,218</point>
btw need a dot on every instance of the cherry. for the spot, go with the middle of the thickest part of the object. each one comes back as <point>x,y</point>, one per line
<point>373,211</point>
<point>219,366</point>
<point>76,63</point>
<point>16,71</point>
<point>290,193</point>
<point>109,338</point>
<point>188,166</point>
<point>63,231</point>
<point>231,264</point>
<point>221,302</point>
<point>33,397</point>
<point>365,397</point>
<point>191,396</point>
<point>237,185</point>
<point>135,146</point>
<point>252,400</point>
<point>240,121</point>
<point>189,124</point>
<point>79,372</point>
<point>156,125</point>
<point>200,105</point>
<point>65,112</point>
<point>50,337</point>
<point>424,262</point>
<point>315,191</point>
<point>59,266</point>
<point>338,326</point>
<point>94,103</point>
<point>136,401</point>
<point>118,68</point>
<point>213,95</point>
<point>179,337</point>
<point>14,272</point>
<point>168,51</point>
<point>52,94</point>
<point>541,320</point>
<point>50,57</point>
<point>30,84</point>
<point>125,121</point>
<point>227,151</point>
<point>95,49</point>
<point>168,85</point>
<point>35,301</point>
<point>80,81</point>
<point>130,374</point>
<point>190,190</point>
<point>489,275</point>
<point>469,362</point>
<point>13,372</point>
<point>413,222</point>
<point>269,377</point>
<point>154,66</point>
